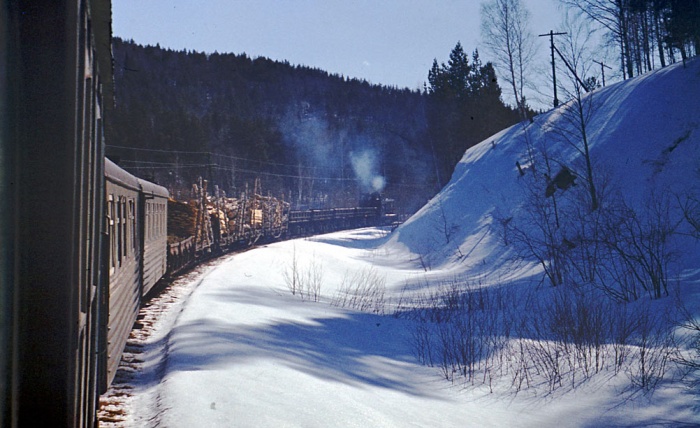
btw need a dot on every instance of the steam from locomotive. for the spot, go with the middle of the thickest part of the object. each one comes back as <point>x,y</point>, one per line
<point>364,164</point>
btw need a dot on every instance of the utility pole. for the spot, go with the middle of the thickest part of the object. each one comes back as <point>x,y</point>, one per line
<point>602,69</point>
<point>551,35</point>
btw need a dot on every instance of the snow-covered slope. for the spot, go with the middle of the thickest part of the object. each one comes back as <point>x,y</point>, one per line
<point>644,136</point>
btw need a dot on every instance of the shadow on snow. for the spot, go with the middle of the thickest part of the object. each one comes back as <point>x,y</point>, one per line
<point>355,349</point>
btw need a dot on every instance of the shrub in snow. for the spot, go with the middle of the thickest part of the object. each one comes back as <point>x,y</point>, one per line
<point>556,338</point>
<point>364,291</point>
<point>304,281</point>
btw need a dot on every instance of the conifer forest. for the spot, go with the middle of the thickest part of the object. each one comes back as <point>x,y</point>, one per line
<point>302,134</point>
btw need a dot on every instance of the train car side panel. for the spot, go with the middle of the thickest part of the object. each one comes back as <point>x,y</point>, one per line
<point>155,235</point>
<point>125,248</point>
<point>56,189</point>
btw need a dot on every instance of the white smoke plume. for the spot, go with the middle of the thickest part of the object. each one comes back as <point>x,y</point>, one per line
<point>365,166</point>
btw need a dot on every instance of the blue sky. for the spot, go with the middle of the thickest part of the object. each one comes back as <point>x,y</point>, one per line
<point>389,42</point>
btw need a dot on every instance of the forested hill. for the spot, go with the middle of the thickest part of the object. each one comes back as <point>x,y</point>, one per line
<point>313,137</point>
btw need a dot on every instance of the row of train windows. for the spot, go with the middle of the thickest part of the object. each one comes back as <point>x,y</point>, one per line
<point>156,220</point>
<point>121,215</point>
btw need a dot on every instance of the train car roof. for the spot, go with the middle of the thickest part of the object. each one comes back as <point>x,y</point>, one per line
<point>153,189</point>
<point>114,173</point>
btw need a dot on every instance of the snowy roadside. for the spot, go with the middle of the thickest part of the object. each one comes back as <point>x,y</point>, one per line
<point>146,351</point>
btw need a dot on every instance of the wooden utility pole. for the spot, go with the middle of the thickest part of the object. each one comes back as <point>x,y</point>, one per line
<point>602,69</point>
<point>551,35</point>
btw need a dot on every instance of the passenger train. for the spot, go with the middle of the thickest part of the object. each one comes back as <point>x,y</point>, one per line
<point>136,234</point>
<point>83,241</point>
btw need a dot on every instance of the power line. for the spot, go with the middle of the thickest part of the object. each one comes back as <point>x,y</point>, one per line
<point>155,165</point>
<point>110,146</point>
<point>148,165</point>
<point>571,69</point>
<point>209,153</point>
<point>165,165</point>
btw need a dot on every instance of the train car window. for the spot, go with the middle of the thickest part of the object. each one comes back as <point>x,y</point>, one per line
<point>146,220</point>
<point>118,231</point>
<point>156,228</point>
<point>149,220</point>
<point>162,220</point>
<point>153,220</point>
<point>118,219</point>
<point>127,228</point>
<point>111,229</point>
<point>132,221</point>
<point>125,220</point>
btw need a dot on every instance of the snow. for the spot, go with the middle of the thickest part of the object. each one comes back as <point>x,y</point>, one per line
<point>230,345</point>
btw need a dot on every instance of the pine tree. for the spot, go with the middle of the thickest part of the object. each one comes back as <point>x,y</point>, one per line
<point>464,107</point>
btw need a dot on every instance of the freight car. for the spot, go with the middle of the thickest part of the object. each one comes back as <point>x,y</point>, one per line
<point>217,224</point>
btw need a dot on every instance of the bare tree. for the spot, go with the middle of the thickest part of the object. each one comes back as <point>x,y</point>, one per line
<point>640,27</point>
<point>504,28</point>
<point>577,113</point>
<point>611,16</point>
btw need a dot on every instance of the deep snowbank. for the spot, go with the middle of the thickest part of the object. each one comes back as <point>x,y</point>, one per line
<point>644,136</point>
